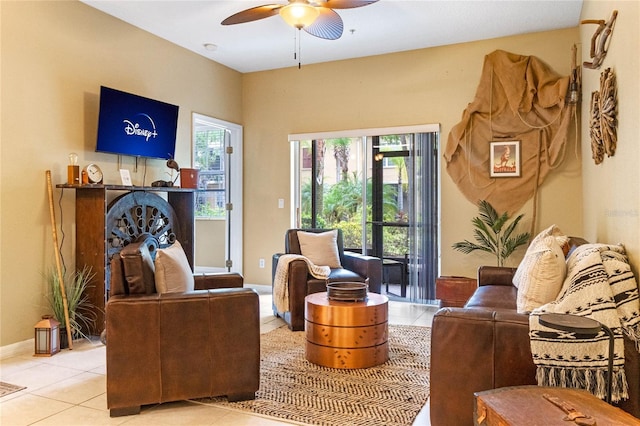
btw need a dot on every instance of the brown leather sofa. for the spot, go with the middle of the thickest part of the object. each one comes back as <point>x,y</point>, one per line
<point>485,345</point>
<point>176,346</point>
<point>355,268</point>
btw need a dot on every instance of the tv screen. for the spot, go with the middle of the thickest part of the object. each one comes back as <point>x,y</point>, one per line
<point>129,124</point>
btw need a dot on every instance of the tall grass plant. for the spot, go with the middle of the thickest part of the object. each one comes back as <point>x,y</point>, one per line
<point>81,310</point>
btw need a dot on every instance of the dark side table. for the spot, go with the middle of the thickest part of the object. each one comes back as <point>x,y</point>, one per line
<point>387,264</point>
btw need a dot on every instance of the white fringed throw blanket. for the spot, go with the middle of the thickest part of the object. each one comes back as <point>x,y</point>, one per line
<point>281,279</point>
<point>599,285</point>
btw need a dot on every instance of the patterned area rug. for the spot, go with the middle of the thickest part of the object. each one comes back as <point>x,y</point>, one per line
<point>7,388</point>
<point>294,389</point>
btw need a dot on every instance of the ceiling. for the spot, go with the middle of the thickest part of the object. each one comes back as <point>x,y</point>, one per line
<point>383,27</point>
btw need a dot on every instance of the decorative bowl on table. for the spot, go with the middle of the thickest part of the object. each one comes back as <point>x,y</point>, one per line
<point>347,291</point>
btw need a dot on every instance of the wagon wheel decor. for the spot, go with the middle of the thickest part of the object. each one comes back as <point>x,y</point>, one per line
<point>136,216</point>
<point>604,122</point>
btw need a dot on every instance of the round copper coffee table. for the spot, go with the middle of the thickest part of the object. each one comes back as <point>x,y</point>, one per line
<point>344,334</point>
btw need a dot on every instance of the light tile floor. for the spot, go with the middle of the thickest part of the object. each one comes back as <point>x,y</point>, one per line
<point>69,388</point>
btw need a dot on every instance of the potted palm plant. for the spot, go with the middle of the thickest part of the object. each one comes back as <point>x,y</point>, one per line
<point>81,315</point>
<point>493,234</point>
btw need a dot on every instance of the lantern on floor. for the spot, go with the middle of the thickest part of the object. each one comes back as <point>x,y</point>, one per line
<point>47,336</point>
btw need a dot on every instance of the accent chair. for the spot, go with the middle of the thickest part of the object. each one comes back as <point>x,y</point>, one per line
<point>348,267</point>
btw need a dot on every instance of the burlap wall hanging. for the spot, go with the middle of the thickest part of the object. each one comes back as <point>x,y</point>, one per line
<point>521,101</point>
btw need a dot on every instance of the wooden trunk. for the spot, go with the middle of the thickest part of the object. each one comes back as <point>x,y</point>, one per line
<point>525,405</point>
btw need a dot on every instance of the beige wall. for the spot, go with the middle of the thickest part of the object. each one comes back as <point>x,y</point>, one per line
<point>417,87</point>
<point>55,56</point>
<point>612,188</point>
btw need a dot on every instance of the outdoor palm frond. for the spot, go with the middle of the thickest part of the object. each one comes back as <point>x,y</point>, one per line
<point>489,235</point>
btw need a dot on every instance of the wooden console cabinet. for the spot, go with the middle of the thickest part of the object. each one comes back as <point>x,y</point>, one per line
<point>97,239</point>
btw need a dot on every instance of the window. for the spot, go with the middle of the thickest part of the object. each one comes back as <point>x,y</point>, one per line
<point>209,158</point>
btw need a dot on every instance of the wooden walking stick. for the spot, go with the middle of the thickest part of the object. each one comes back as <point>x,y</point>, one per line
<point>65,303</point>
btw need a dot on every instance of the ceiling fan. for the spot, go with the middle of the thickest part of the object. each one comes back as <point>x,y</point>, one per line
<point>316,17</point>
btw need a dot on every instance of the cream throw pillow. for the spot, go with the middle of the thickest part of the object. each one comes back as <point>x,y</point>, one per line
<point>540,275</point>
<point>320,248</point>
<point>173,273</point>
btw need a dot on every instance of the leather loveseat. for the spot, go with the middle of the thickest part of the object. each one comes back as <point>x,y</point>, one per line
<point>181,345</point>
<point>485,345</point>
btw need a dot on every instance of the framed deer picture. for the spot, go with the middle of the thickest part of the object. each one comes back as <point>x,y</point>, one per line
<point>504,159</point>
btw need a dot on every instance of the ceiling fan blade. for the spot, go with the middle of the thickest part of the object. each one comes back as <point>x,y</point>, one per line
<point>253,14</point>
<point>328,25</point>
<point>344,4</point>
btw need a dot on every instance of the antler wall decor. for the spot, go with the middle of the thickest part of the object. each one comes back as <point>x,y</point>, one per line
<point>603,122</point>
<point>599,40</point>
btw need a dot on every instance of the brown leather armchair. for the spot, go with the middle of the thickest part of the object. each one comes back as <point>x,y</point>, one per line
<point>355,268</point>
<point>175,346</point>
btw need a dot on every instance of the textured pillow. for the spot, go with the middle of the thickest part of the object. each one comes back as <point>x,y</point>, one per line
<point>173,273</point>
<point>540,275</point>
<point>320,248</point>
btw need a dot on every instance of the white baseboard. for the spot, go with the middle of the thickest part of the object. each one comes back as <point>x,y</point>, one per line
<point>21,348</point>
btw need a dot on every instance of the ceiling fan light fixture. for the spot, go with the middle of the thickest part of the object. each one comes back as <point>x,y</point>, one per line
<point>299,14</point>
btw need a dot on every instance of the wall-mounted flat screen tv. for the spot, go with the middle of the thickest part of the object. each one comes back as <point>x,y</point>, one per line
<point>133,125</point>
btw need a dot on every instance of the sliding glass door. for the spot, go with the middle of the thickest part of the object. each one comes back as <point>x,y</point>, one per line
<point>381,190</point>
<point>391,209</point>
